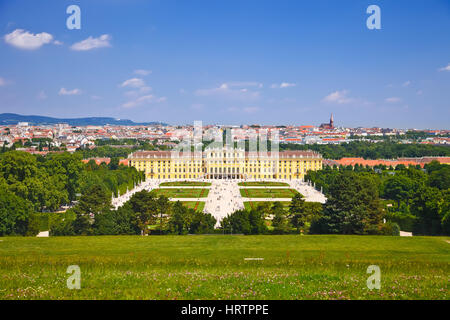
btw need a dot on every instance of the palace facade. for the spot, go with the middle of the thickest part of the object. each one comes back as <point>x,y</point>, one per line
<point>225,164</point>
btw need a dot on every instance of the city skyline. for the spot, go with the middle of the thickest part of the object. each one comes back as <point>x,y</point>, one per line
<point>269,62</point>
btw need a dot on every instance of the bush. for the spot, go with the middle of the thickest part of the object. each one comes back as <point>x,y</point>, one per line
<point>62,225</point>
<point>33,225</point>
<point>390,229</point>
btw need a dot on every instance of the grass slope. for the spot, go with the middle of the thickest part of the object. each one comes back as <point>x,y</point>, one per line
<point>185,184</point>
<point>267,193</point>
<point>213,267</point>
<point>263,184</point>
<point>197,205</point>
<point>181,193</point>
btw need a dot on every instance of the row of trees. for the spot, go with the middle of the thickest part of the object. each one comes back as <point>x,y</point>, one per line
<point>273,218</point>
<point>142,214</point>
<point>353,207</point>
<point>30,184</point>
<point>417,199</point>
<point>369,150</point>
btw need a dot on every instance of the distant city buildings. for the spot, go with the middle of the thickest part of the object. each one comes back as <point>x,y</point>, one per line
<point>70,138</point>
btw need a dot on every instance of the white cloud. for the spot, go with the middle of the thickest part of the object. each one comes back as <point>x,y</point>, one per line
<point>142,72</point>
<point>25,40</point>
<point>232,90</point>
<point>283,85</point>
<point>2,82</point>
<point>41,95</point>
<point>133,83</point>
<point>339,97</point>
<point>406,84</point>
<point>143,100</point>
<point>92,43</point>
<point>65,92</point>
<point>447,68</point>
<point>393,100</point>
<point>244,84</point>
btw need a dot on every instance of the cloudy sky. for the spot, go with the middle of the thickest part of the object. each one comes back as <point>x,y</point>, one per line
<point>229,62</point>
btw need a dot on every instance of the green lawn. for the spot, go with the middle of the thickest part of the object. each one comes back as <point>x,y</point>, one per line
<point>213,267</point>
<point>254,204</point>
<point>181,193</point>
<point>268,193</point>
<point>185,183</point>
<point>263,184</point>
<point>197,205</point>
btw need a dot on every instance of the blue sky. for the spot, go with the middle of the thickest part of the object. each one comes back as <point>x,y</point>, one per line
<point>229,62</point>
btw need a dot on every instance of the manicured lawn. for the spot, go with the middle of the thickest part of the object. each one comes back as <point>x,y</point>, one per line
<point>182,192</point>
<point>254,204</point>
<point>197,205</point>
<point>185,184</point>
<point>213,267</point>
<point>263,184</point>
<point>268,193</point>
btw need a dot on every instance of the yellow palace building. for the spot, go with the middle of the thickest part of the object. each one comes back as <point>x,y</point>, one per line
<point>225,163</point>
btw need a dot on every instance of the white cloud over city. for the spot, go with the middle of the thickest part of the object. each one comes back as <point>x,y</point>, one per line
<point>92,43</point>
<point>142,72</point>
<point>393,99</point>
<point>283,85</point>
<point>138,95</point>
<point>66,92</point>
<point>446,68</point>
<point>26,40</point>
<point>339,97</point>
<point>232,90</point>
<point>147,99</point>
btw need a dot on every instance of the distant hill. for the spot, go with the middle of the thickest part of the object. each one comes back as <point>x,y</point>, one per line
<point>12,118</point>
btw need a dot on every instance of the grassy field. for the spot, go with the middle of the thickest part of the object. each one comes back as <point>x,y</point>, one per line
<point>185,184</point>
<point>263,184</point>
<point>268,193</point>
<point>181,193</point>
<point>197,205</point>
<point>213,267</point>
<point>254,204</point>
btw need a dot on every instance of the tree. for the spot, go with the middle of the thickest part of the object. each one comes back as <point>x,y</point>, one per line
<point>244,221</point>
<point>429,208</point>
<point>353,206</point>
<point>95,201</point>
<point>145,208</point>
<point>179,221</point>
<point>280,222</point>
<point>398,188</point>
<point>440,178</point>
<point>163,206</point>
<point>297,212</point>
<point>116,222</point>
<point>14,213</point>
<point>202,223</point>
<point>16,166</point>
<point>64,226</point>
